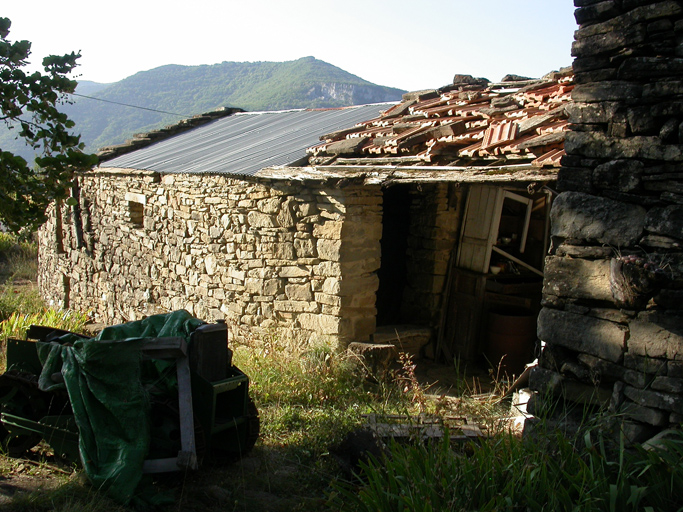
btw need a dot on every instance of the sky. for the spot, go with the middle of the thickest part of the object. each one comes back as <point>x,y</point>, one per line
<point>409,44</point>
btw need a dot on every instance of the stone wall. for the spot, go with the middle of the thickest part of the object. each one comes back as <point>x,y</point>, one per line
<point>435,211</point>
<point>296,260</point>
<point>613,293</point>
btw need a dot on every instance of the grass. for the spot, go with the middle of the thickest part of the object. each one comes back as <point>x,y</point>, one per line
<point>19,257</point>
<point>308,402</point>
<point>506,473</point>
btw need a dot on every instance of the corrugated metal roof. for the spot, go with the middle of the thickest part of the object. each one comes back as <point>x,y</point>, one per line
<point>244,143</point>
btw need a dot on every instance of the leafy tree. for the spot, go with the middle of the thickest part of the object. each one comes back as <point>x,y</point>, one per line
<point>29,104</point>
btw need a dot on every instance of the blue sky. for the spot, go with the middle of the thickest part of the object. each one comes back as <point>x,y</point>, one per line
<point>407,44</point>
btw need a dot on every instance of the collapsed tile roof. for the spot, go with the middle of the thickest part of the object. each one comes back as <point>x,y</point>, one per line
<point>470,123</point>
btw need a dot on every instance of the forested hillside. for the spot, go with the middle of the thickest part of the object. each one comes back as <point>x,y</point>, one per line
<point>190,90</point>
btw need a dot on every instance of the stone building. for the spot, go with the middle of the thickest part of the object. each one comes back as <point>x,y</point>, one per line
<point>612,316</point>
<point>395,218</point>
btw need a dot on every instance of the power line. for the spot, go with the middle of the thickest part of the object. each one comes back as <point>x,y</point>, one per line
<point>131,106</point>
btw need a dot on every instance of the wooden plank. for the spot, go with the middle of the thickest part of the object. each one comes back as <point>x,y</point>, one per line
<point>188,455</point>
<point>164,348</point>
<point>517,260</point>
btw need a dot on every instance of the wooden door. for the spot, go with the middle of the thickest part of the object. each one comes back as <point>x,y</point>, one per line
<point>480,227</point>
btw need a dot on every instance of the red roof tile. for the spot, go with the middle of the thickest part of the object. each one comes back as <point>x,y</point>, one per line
<point>468,124</point>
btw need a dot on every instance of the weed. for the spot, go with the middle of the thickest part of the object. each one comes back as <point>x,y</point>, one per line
<point>407,379</point>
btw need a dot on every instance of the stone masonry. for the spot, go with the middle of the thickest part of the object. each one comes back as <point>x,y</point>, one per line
<point>612,318</point>
<point>293,260</point>
<point>298,260</point>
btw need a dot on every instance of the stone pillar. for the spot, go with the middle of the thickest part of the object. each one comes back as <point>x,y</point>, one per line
<point>612,318</point>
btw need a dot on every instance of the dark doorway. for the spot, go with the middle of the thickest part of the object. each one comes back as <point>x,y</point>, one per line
<point>394,244</point>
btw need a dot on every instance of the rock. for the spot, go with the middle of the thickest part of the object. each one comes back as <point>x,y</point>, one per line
<point>469,80</point>
<point>594,336</point>
<point>586,217</point>
<point>621,175</point>
<point>654,334</point>
<point>667,221</point>
<point>577,278</point>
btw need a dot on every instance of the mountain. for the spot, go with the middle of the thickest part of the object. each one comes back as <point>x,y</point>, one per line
<point>183,91</point>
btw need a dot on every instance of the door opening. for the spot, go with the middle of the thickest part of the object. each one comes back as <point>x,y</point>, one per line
<point>394,246</point>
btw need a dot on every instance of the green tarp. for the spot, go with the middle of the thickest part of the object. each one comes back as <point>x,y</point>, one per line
<point>109,387</point>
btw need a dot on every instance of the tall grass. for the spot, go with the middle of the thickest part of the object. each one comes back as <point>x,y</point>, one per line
<point>19,299</point>
<point>20,257</point>
<point>307,401</point>
<point>506,473</point>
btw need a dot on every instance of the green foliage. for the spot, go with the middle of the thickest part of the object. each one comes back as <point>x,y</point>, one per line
<point>68,320</point>
<point>13,299</point>
<point>7,243</point>
<point>29,107</point>
<point>310,401</point>
<point>508,473</point>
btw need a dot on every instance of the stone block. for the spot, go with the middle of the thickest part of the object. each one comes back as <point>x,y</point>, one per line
<point>655,399</point>
<point>586,217</point>
<point>295,271</point>
<point>598,145</point>
<point>654,334</point>
<point>210,264</point>
<point>295,306</point>
<point>321,324</point>
<point>305,248</point>
<point>606,91</point>
<point>620,175</point>
<point>286,217</point>
<point>269,206</point>
<point>261,220</point>
<point>299,292</point>
<point>600,369</point>
<point>330,230</point>
<point>643,414</point>
<point>577,278</point>
<point>575,179</point>
<point>594,336</point>
<point>364,284</point>
<point>674,369</point>
<point>329,249</point>
<point>548,382</point>
<point>637,379</point>
<point>647,365</point>
<point>668,384</point>
<point>667,221</point>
